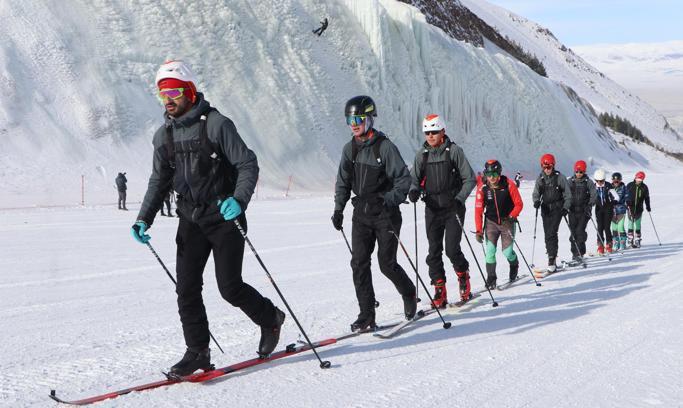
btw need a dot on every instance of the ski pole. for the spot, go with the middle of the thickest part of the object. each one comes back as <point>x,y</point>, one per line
<point>533,247</point>
<point>573,239</point>
<point>457,217</point>
<point>176,284</point>
<point>653,227</point>
<point>446,325</point>
<point>524,258</point>
<point>417,260</point>
<point>602,241</point>
<point>323,364</point>
<point>347,241</point>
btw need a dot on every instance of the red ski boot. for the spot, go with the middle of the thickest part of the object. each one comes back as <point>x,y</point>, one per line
<point>440,297</point>
<point>464,283</point>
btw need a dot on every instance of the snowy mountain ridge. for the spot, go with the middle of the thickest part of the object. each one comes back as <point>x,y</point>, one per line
<point>80,98</point>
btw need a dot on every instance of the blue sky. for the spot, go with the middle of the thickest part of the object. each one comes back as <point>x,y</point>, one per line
<point>584,22</point>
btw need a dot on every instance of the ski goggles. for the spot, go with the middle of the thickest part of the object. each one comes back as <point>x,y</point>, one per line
<point>546,166</point>
<point>172,93</point>
<point>355,120</point>
<point>492,174</point>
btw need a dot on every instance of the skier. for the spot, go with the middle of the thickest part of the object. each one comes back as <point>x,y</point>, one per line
<point>442,175</point>
<point>618,193</point>
<point>372,167</point>
<point>199,154</point>
<point>604,207</point>
<point>583,200</point>
<point>552,195</point>
<point>500,200</point>
<point>121,181</point>
<point>323,26</point>
<point>518,179</point>
<point>637,193</point>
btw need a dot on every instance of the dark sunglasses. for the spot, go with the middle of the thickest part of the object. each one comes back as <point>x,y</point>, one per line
<point>432,132</point>
<point>579,172</point>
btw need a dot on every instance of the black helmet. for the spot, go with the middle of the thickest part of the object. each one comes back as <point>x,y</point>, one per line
<point>616,176</point>
<point>493,166</point>
<point>360,105</point>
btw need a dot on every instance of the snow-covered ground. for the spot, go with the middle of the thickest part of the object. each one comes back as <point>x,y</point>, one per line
<point>85,309</point>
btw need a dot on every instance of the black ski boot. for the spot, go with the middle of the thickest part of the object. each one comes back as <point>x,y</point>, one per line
<point>192,361</point>
<point>364,321</point>
<point>491,276</point>
<point>409,306</point>
<point>514,268</point>
<point>270,336</point>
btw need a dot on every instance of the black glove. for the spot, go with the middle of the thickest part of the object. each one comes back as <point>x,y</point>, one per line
<point>648,208</point>
<point>338,220</point>
<point>480,237</point>
<point>537,204</point>
<point>414,195</point>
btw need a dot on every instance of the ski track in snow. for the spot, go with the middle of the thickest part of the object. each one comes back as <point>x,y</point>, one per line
<point>105,318</point>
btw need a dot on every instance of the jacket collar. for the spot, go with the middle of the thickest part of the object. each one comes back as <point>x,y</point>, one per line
<point>201,107</point>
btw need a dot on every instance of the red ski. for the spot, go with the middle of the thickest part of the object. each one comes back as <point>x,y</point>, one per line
<point>199,377</point>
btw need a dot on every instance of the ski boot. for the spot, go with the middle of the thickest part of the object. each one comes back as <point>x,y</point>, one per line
<point>464,285</point>
<point>193,360</point>
<point>409,306</point>
<point>629,240</point>
<point>601,249</point>
<point>514,268</point>
<point>623,243</point>
<point>270,336</point>
<point>552,267</point>
<point>365,321</point>
<point>608,248</point>
<point>440,295</point>
<point>491,276</point>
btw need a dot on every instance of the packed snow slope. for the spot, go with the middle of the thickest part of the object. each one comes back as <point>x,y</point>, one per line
<point>565,66</point>
<point>79,99</point>
<point>93,311</point>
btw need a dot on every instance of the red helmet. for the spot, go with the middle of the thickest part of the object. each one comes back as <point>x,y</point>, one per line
<point>547,160</point>
<point>640,175</point>
<point>580,166</point>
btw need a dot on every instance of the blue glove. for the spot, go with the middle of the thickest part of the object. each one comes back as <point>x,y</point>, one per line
<point>230,209</point>
<point>138,232</point>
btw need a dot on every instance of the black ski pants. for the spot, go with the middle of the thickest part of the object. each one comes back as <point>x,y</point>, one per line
<point>439,222</point>
<point>365,231</point>
<point>551,224</point>
<point>578,221</point>
<point>122,199</point>
<point>195,242</point>
<point>603,220</point>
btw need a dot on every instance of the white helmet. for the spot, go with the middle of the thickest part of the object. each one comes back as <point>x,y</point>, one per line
<point>432,122</point>
<point>176,69</point>
<point>599,175</point>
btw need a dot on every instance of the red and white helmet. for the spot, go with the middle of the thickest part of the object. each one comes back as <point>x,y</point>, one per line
<point>640,175</point>
<point>175,69</point>
<point>432,122</point>
<point>547,160</point>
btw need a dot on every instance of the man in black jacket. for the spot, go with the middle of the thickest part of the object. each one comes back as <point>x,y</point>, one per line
<point>583,199</point>
<point>372,167</point>
<point>121,181</point>
<point>442,175</point>
<point>199,154</point>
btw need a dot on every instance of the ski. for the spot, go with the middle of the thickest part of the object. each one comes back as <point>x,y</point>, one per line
<point>387,334</point>
<point>510,283</point>
<point>461,303</point>
<point>542,273</point>
<point>290,350</point>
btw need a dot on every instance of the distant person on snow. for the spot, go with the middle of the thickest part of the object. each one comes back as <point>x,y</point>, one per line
<point>320,30</point>
<point>121,181</point>
<point>638,194</point>
<point>518,179</point>
<point>604,209</point>
<point>167,202</point>
<point>552,195</point>
<point>583,200</point>
<point>619,194</point>
<point>199,154</point>
<point>372,167</point>
<point>500,202</point>
<point>442,175</point>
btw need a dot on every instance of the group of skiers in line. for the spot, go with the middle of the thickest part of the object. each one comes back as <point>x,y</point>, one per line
<point>199,154</point>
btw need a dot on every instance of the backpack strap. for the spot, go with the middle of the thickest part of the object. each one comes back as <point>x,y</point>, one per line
<point>376,146</point>
<point>170,147</point>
